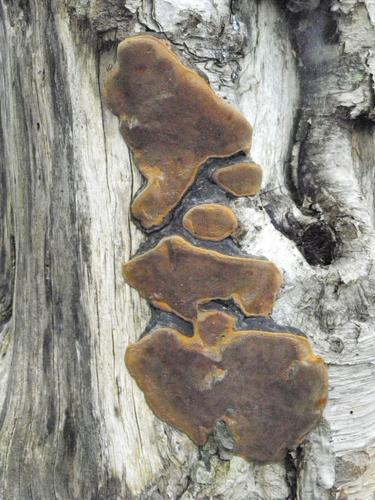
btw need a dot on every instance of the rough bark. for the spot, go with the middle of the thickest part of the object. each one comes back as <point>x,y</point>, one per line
<point>73,424</point>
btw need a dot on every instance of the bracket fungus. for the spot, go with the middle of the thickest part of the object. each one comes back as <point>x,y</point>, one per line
<point>239,179</point>
<point>269,389</point>
<point>177,276</point>
<point>172,121</point>
<point>210,221</point>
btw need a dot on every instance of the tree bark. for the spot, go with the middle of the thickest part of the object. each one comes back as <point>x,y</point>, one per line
<point>73,424</point>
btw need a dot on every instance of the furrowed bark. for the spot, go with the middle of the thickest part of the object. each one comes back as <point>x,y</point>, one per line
<point>73,424</point>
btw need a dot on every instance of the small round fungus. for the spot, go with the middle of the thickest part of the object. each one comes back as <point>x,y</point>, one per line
<point>239,179</point>
<point>210,221</point>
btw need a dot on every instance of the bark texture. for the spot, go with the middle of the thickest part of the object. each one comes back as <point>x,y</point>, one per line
<point>73,424</point>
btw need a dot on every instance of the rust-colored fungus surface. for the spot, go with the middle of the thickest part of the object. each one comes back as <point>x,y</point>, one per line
<point>268,388</point>
<point>239,179</point>
<point>172,121</point>
<point>210,221</point>
<point>177,276</point>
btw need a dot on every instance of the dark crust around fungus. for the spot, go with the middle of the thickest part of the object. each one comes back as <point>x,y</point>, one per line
<point>265,385</point>
<point>172,121</point>
<point>177,276</point>
<point>269,389</point>
<point>239,179</point>
<point>210,221</point>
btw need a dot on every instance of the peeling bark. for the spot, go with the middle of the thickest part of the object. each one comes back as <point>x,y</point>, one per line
<point>73,424</point>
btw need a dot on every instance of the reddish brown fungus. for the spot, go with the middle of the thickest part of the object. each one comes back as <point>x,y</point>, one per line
<point>178,276</point>
<point>240,179</point>
<point>171,120</point>
<point>210,221</point>
<point>269,388</point>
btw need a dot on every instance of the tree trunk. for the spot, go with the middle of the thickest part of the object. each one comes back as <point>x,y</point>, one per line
<point>73,424</point>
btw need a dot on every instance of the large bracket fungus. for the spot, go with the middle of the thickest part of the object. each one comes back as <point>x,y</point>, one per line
<point>177,276</point>
<point>267,387</point>
<point>171,120</point>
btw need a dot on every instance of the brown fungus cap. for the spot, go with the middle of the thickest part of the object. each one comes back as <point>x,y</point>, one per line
<point>210,221</point>
<point>172,121</point>
<point>239,179</point>
<point>177,276</point>
<point>268,388</point>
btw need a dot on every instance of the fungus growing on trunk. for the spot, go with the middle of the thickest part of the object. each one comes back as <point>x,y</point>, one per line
<point>177,276</point>
<point>239,179</point>
<point>171,120</point>
<point>268,388</point>
<point>210,221</point>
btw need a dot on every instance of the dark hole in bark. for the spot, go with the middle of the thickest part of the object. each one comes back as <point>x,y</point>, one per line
<point>69,433</point>
<point>336,345</point>
<point>318,244</point>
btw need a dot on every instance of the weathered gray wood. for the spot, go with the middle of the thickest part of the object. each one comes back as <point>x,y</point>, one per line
<point>72,423</point>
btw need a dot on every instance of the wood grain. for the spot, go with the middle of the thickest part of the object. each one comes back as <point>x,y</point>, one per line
<point>73,423</point>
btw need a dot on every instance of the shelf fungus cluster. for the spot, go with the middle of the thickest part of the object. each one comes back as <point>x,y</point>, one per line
<point>171,120</point>
<point>267,387</point>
